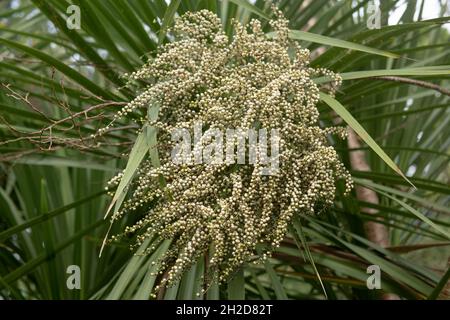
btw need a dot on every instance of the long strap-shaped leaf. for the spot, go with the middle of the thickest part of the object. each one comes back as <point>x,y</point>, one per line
<point>354,124</point>
<point>49,9</point>
<point>418,214</point>
<point>440,286</point>
<point>300,239</point>
<point>168,18</point>
<point>142,145</point>
<point>280,293</point>
<point>68,71</point>
<point>236,286</point>
<point>317,38</point>
<point>417,71</point>
<point>431,205</point>
<point>46,216</point>
<point>391,268</point>
<point>31,265</point>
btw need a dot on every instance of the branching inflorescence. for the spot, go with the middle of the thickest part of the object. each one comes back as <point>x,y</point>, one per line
<point>225,211</point>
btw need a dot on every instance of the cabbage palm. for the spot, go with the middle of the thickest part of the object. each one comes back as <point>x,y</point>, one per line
<point>59,85</point>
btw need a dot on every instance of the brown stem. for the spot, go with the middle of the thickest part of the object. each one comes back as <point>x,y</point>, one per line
<point>376,232</point>
<point>419,83</point>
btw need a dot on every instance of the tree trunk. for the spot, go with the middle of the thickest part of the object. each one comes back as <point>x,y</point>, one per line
<point>376,232</point>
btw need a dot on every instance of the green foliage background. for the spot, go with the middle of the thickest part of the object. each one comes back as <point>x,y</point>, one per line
<point>52,204</point>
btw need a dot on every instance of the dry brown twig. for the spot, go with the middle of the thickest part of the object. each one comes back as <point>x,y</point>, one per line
<point>44,138</point>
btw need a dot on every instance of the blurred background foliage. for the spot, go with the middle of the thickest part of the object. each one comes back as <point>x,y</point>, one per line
<point>59,85</point>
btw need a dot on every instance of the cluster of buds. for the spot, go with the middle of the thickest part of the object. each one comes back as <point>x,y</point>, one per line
<point>222,212</point>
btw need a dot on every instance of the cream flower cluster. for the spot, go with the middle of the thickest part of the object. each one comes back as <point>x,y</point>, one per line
<point>222,212</point>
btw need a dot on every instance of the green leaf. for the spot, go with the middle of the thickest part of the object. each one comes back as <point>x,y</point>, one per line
<point>129,272</point>
<point>148,282</point>
<point>418,214</point>
<point>354,124</point>
<point>85,48</point>
<point>303,244</point>
<point>417,71</point>
<point>421,200</point>
<point>188,284</point>
<point>137,154</point>
<point>48,160</point>
<point>277,286</point>
<point>236,286</point>
<point>250,7</point>
<point>71,73</point>
<point>317,38</point>
<point>388,267</point>
<point>31,265</point>
<point>46,216</point>
<point>259,286</point>
<point>168,18</point>
<point>441,285</point>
